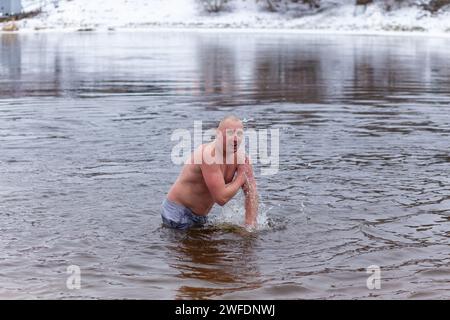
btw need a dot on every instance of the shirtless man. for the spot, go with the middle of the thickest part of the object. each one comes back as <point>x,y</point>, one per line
<point>213,173</point>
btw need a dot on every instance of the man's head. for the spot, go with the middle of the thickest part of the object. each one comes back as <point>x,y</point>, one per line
<point>230,132</point>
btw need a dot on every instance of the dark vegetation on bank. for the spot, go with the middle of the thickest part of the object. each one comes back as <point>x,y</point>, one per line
<point>302,7</point>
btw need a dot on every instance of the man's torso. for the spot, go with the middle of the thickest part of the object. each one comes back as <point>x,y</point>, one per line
<point>190,189</point>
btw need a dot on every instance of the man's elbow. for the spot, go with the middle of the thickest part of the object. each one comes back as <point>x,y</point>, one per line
<point>221,201</point>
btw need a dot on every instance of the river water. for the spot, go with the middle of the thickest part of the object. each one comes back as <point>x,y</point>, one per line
<point>363,179</point>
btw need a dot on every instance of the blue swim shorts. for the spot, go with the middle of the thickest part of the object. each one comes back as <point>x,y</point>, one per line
<point>177,216</point>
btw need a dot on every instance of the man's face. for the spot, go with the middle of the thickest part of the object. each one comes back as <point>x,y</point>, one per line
<point>232,134</point>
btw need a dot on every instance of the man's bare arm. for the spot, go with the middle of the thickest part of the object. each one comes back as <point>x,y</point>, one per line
<point>251,195</point>
<point>221,192</point>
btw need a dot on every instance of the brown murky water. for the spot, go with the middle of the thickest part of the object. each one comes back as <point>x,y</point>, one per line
<point>85,125</point>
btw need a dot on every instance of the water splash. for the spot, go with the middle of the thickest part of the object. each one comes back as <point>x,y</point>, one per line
<point>233,215</point>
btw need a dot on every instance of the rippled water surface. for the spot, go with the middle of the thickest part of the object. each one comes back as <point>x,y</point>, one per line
<point>85,125</point>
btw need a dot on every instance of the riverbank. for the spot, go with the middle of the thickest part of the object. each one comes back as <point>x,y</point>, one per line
<point>83,15</point>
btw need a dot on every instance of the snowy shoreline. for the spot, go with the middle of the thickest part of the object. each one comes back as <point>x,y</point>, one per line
<point>267,31</point>
<point>246,16</point>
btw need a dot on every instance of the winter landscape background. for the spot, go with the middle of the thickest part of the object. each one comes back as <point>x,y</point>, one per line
<point>361,16</point>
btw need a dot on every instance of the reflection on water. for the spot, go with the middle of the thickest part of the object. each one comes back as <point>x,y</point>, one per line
<point>212,262</point>
<point>85,126</point>
<point>231,69</point>
<point>11,57</point>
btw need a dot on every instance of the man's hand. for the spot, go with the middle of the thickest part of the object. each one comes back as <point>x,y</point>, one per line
<point>246,170</point>
<point>242,173</point>
<point>251,194</point>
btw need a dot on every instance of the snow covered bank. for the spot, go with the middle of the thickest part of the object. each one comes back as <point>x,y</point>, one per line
<point>73,15</point>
